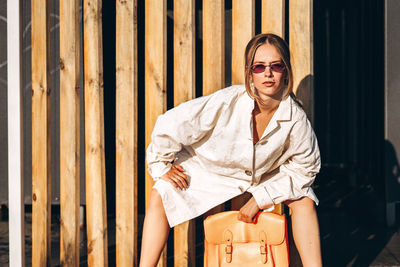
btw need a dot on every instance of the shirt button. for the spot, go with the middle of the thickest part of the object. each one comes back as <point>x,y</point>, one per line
<point>248,173</point>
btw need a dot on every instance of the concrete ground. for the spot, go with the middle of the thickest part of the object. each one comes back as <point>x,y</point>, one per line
<point>353,226</point>
<point>344,242</point>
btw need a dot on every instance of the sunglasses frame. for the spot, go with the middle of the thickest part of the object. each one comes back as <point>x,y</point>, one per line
<point>268,65</point>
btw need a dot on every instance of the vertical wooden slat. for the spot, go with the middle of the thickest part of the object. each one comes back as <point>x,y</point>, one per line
<point>184,244</point>
<point>213,45</point>
<point>184,50</point>
<point>273,17</point>
<point>15,134</point>
<point>40,135</point>
<point>184,89</point>
<point>242,32</point>
<point>69,129</point>
<point>102,184</point>
<point>126,133</point>
<point>69,132</point>
<point>273,21</point>
<point>155,76</point>
<point>94,136</point>
<point>155,70</point>
<point>301,47</point>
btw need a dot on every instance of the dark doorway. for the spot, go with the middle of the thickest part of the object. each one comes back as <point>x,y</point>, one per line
<point>349,87</point>
<point>349,123</point>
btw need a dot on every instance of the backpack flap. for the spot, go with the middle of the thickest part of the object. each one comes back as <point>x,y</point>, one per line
<point>274,226</point>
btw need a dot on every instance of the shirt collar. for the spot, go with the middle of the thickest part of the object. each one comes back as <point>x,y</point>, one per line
<point>283,113</point>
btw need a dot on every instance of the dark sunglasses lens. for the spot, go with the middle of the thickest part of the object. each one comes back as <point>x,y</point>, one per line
<point>258,68</point>
<point>278,67</point>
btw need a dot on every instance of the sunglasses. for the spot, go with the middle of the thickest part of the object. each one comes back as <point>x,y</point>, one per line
<point>260,68</point>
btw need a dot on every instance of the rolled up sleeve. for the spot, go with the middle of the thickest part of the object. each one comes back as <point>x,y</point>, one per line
<point>178,127</point>
<point>293,179</point>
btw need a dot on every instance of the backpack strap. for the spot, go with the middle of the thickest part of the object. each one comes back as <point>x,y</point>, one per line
<point>228,236</point>
<point>263,247</point>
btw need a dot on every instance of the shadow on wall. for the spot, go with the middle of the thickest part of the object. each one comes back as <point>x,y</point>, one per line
<point>305,95</point>
<point>392,182</point>
<point>392,173</point>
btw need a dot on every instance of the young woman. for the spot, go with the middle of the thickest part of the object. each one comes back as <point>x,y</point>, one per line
<point>253,138</point>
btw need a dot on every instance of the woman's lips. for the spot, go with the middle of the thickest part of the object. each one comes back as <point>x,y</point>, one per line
<point>269,84</point>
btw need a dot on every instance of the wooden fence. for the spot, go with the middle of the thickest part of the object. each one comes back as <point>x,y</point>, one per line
<point>214,43</point>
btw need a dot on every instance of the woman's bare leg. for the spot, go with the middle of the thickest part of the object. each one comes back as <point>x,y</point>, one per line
<point>306,231</point>
<point>155,231</point>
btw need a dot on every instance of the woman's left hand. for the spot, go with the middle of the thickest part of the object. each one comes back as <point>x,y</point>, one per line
<point>248,211</point>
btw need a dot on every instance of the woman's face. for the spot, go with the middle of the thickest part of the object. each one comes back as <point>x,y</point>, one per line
<point>270,82</point>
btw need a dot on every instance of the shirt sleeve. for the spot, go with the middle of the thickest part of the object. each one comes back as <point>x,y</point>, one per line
<point>292,179</point>
<point>181,126</point>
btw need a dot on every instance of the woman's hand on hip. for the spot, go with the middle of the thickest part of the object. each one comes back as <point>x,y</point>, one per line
<point>176,177</point>
<point>248,211</point>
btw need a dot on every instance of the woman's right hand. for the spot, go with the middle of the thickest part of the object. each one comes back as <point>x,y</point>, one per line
<point>176,177</point>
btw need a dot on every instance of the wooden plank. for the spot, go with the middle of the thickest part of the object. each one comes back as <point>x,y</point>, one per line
<point>213,55</point>
<point>273,21</point>
<point>126,133</point>
<point>184,50</point>
<point>15,135</point>
<point>69,132</point>
<point>213,45</point>
<point>242,31</point>
<point>155,77</point>
<point>273,17</point>
<point>94,136</point>
<point>301,47</point>
<point>184,89</point>
<point>184,244</point>
<point>41,171</point>
<point>155,70</point>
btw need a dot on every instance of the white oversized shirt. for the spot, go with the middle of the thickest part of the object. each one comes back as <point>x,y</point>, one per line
<point>211,137</point>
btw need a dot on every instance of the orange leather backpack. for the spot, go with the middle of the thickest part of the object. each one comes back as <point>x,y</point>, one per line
<point>233,243</point>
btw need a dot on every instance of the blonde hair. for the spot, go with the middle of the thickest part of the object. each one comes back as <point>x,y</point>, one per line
<point>283,50</point>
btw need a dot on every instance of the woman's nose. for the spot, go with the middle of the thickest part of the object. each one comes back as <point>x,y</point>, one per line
<point>268,72</point>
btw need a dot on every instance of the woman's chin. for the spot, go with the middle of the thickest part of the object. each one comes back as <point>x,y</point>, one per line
<point>270,93</point>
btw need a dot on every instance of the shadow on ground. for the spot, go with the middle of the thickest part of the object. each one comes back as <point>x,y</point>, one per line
<point>352,226</point>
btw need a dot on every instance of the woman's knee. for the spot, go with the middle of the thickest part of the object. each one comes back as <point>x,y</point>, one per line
<point>155,199</point>
<point>304,204</point>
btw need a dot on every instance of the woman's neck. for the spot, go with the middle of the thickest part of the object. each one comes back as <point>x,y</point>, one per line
<point>266,106</point>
